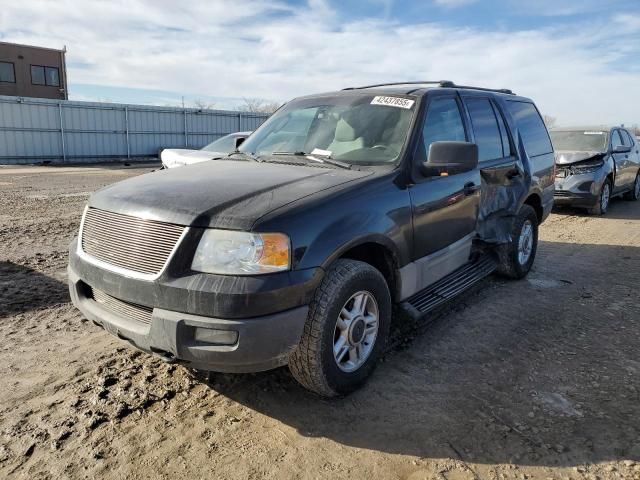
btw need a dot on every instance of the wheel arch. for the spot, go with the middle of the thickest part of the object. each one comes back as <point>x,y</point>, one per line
<point>535,201</point>
<point>377,251</point>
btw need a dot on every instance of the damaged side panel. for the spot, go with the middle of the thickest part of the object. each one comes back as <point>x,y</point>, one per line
<point>526,176</point>
<point>504,188</point>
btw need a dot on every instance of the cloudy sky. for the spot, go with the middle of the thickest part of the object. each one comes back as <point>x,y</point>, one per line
<point>579,59</point>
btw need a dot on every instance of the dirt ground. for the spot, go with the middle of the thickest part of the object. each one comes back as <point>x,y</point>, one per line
<point>538,378</point>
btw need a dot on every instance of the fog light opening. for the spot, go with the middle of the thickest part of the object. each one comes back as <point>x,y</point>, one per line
<point>216,337</point>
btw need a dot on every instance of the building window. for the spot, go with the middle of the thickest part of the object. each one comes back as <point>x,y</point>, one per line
<point>7,72</point>
<point>49,76</point>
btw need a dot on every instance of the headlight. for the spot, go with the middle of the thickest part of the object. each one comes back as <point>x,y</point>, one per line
<point>229,252</point>
<point>586,167</point>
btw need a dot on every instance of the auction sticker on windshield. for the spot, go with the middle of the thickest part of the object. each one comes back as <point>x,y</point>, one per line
<point>393,102</point>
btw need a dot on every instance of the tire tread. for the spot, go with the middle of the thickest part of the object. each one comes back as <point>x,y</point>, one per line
<point>305,363</point>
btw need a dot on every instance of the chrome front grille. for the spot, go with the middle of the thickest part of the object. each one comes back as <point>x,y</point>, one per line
<point>130,311</point>
<point>131,243</point>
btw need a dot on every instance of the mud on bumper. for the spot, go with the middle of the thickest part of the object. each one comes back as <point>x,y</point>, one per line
<point>248,344</point>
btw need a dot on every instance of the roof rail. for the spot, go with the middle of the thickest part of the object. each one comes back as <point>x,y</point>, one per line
<point>440,83</point>
<point>498,90</point>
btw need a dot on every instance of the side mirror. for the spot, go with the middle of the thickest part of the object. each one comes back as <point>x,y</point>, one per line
<point>621,149</point>
<point>450,158</point>
<point>239,141</point>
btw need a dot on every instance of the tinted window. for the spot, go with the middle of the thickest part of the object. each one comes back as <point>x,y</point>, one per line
<point>616,140</point>
<point>506,144</point>
<point>485,127</point>
<point>531,127</point>
<point>7,72</point>
<point>442,123</point>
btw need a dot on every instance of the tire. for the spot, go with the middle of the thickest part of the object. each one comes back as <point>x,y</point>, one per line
<point>515,262</point>
<point>604,197</point>
<point>313,363</point>
<point>634,194</point>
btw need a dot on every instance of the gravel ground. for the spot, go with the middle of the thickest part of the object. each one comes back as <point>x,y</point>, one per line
<point>538,378</point>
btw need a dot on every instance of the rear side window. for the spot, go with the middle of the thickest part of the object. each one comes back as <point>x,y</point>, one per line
<point>485,128</point>
<point>506,144</point>
<point>633,142</point>
<point>442,123</point>
<point>532,130</point>
<point>626,138</point>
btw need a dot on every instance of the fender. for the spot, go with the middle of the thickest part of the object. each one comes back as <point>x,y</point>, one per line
<point>324,226</point>
<point>375,238</point>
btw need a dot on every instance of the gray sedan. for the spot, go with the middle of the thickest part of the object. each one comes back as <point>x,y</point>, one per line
<point>594,164</point>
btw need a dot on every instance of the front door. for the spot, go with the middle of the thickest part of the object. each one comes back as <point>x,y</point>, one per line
<point>444,208</point>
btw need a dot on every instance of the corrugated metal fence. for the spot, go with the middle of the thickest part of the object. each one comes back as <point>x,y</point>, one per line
<point>34,130</point>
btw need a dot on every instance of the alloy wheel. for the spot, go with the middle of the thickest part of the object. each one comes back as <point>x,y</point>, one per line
<point>525,242</point>
<point>356,331</point>
<point>604,197</point>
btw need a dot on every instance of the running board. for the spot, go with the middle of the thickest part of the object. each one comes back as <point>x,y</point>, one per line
<point>452,285</point>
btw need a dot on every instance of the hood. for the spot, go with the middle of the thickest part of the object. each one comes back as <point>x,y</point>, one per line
<point>564,157</point>
<point>174,157</point>
<point>223,194</point>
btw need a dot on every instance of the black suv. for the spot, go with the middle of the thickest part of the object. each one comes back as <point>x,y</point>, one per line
<point>293,249</point>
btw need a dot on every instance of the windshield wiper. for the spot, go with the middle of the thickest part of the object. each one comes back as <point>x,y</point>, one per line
<point>253,157</point>
<point>324,159</point>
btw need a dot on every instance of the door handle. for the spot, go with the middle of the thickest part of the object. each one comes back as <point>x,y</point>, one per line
<point>514,172</point>
<point>470,188</point>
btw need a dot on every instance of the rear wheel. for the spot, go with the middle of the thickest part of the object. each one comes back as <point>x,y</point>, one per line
<point>604,198</point>
<point>346,330</point>
<point>517,256</point>
<point>634,193</point>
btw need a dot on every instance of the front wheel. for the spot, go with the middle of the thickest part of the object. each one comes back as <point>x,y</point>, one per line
<point>346,330</point>
<point>602,204</point>
<point>517,256</point>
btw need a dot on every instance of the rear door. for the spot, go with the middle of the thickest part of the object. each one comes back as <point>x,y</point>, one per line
<point>634,157</point>
<point>534,149</point>
<point>500,169</point>
<point>621,160</point>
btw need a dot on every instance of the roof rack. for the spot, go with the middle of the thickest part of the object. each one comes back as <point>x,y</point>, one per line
<point>498,90</point>
<point>440,83</point>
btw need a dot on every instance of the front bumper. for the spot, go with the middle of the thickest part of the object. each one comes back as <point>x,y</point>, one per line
<point>580,190</point>
<point>265,338</point>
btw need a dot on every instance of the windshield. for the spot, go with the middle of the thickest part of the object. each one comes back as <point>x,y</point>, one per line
<point>225,144</point>
<point>580,141</point>
<point>355,129</point>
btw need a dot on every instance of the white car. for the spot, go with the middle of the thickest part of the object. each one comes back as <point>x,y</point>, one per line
<point>179,157</point>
